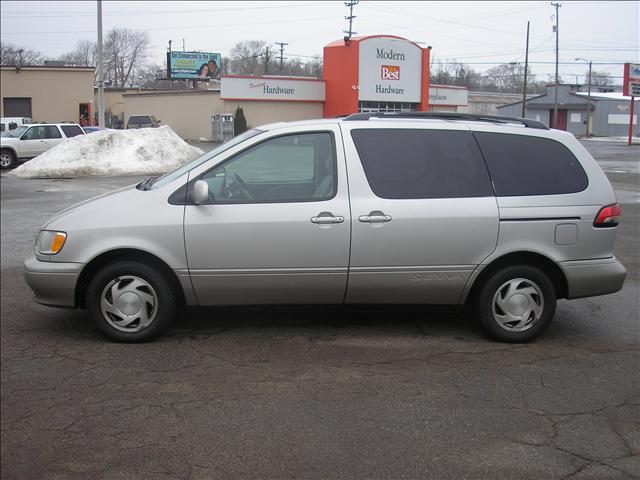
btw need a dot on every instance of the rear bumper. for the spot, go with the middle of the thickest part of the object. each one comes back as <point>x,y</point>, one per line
<point>53,284</point>
<point>589,278</point>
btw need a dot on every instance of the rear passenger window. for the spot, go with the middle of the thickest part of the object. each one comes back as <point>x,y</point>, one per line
<point>72,130</point>
<point>403,163</point>
<point>522,165</point>
<point>52,132</point>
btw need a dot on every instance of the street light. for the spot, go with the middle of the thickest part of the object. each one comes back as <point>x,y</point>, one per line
<point>588,96</point>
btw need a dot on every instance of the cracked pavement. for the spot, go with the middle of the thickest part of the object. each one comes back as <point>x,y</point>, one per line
<point>316,393</point>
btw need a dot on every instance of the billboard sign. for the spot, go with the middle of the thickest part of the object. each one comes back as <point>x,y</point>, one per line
<point>195,65</point>
<point>631,85</point>
<point>390,69</point>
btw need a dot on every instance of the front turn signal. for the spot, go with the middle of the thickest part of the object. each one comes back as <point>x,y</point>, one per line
<point>50,242</point>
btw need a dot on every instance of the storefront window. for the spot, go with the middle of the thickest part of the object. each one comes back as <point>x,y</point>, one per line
<point>368,106</point>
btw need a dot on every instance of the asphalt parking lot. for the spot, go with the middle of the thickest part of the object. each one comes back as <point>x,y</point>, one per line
<point>308,393</point>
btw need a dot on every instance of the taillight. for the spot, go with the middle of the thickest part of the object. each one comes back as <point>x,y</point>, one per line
<point>608,216</point>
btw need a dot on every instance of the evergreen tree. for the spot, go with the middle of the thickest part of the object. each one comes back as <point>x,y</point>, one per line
<point>239,122</point>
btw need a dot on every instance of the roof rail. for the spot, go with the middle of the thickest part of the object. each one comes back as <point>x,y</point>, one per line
<point>470,117</point>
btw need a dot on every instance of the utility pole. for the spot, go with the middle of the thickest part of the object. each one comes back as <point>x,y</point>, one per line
<point>267,58</point>
<point>526,68</point>
<point>588,97</point>
<point>555,101</point>
<point>169,76</point>
<point>282,45</point>
<point>350,32</point>
<point>100,70</point>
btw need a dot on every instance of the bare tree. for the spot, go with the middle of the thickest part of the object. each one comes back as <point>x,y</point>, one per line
<point>452,72</point>
<point>244,57</point>
<point>11,54</point>
<point>83,55</point>
<point>125,51</point>
<point>508,78</point>
<point>599,79</point>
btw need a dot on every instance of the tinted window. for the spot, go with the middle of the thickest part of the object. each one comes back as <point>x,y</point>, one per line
<point>291,168</point>
<point>52,132</point>
<point>403,163</point>
<point>139,120</point>
<point>523,165</point>
<point>13,126</point>
<point>1,127</point>
<point>72,130</point>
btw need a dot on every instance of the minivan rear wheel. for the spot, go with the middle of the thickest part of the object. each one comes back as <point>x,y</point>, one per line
<point>130,301</point>
<point>517,303</point>
<point>7,159</point>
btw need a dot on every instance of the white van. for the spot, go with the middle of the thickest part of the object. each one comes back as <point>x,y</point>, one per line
<point>11,123</point>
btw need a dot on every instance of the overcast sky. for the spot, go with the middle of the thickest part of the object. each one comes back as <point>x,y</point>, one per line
<point>480,34</point>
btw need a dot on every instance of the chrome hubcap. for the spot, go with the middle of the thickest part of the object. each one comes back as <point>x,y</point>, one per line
<point>518,305</point>
<point>5,159</point>
<point>129,303</point>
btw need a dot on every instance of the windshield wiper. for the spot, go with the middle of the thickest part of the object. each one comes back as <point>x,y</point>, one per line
<point>146,183</point>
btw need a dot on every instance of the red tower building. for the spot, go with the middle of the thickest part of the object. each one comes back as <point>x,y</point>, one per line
<point>375,73</point>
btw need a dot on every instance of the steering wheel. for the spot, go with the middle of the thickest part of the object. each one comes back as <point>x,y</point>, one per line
<point>236,188</point>
<point>242,187</point>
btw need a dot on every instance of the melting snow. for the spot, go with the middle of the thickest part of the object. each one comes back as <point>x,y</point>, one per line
<point>112,152</point>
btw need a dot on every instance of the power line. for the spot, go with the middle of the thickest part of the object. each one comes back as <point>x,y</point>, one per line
<point>178,27</point>
<point>157,12</point>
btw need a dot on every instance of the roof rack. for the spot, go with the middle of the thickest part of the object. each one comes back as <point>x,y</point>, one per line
<point>470,117</point>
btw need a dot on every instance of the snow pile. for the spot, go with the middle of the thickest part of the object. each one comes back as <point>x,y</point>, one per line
<point>634,140</point>
<point>112,152</point>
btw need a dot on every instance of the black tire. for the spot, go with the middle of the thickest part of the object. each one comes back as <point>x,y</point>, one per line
<point>7,159</point>
<point>141,290</point>
<point>518,287</point>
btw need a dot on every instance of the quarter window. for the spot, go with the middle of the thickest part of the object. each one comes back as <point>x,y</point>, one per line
<point>291,168</point>
<point>72,130</point>
<point>524,165</point>
<point>405,163</point>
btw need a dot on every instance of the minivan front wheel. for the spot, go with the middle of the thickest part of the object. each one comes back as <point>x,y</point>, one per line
<point>131,301</point>
<point>517,303</point>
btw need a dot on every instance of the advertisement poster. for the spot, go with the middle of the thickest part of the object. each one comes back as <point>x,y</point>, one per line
<point>195,65</point>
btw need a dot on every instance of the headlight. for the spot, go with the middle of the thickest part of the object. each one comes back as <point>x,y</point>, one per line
<point>49,242</point>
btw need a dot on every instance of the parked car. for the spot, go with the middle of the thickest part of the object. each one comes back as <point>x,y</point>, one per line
<point>142,121</point>
<point>29,141</point>
<point>88,130</point>
<point>502,215</point>
<point>11,123</point>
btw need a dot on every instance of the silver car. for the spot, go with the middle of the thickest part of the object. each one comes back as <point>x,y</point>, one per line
<point>502,215</point>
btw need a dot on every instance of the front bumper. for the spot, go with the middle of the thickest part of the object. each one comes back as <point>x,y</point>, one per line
<point>588,278</point>
<point>53,283</point>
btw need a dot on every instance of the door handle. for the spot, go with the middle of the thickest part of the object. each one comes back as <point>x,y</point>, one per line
<point>375,217</point>
<point>326,218</point>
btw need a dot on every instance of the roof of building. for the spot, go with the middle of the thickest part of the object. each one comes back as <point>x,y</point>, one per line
<point>605,96</point>
<point>47,67</point>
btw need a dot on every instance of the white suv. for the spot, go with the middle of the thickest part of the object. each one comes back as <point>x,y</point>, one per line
<point>29,141</point>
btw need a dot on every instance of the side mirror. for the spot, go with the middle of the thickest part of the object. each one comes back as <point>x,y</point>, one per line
<point>200,192</point>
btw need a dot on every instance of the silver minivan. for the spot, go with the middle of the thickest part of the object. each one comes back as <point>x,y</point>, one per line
<point>502,215</point>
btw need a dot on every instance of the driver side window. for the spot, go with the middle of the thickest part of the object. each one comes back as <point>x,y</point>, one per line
<point>291,168</point>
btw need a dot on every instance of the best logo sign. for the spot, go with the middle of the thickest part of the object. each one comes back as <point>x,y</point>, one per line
<point>390,72</point>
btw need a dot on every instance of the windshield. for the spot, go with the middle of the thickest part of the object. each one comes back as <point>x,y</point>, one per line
<point>171,176</point>
<point>16,133</point>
